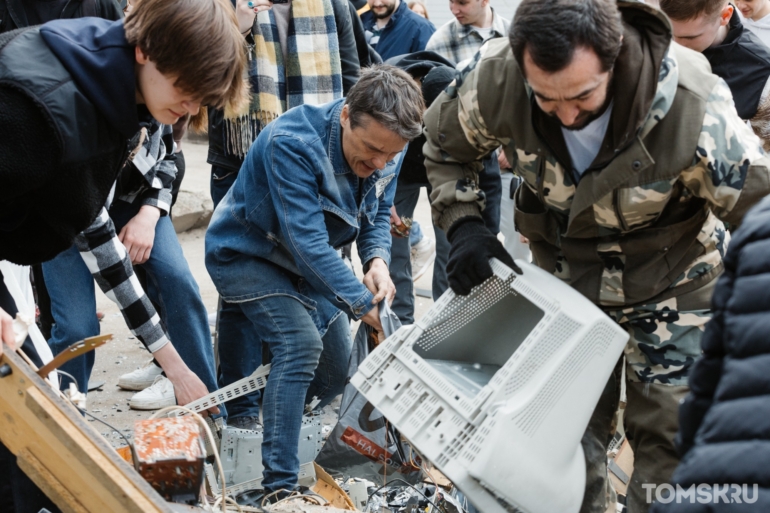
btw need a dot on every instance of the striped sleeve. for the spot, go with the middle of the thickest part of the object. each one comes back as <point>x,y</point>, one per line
<point>109,264</point>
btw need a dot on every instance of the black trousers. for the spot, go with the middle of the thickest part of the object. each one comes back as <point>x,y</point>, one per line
<point>18,494</point>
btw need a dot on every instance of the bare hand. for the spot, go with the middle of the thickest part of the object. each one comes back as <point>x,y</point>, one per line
<point>7,336</point>
<point>187,385</point>
<point>372,318</point>
<point>138,236</point>
<point>246,13</point>
<point>188,388</point>
<point>502,161</point>
<point>396,220</point>
<point>523,239</point>
<point>378,281</point>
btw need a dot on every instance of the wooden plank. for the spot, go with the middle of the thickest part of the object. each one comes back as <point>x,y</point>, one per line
<point>328,488</point>
<point>625,462</point>
<point>62,453</point>
<point>46,481</point>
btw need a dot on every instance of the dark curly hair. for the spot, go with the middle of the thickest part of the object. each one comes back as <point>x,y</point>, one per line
<point>551,30</point>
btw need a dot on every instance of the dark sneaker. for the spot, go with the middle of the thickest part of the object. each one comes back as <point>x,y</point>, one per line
<point>260,497</point>
<point>249,422</point>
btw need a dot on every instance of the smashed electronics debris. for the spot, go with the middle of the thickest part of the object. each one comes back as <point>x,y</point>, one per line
<point>400,497</point>
<point>169,455</point>
<point>171,452</point>
<point>241,454</point>
<point>241,449</point>
<point>496,388</point>
<point>362,443</point>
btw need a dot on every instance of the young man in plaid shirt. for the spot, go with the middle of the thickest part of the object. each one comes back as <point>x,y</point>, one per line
<point>475,23</point>
<point>134,228</point>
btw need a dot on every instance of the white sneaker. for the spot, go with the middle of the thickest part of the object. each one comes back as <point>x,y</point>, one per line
<point>423,254</point>
<point>159,395</point>
<point>140,378</point>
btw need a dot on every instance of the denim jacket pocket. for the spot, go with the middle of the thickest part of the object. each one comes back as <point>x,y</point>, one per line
<point>341,226</point>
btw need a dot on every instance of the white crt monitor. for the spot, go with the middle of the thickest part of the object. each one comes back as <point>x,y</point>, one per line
<point>496,388</point>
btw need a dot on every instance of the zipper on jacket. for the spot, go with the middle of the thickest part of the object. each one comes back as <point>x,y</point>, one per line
<point>616,207</point>
<point>541,181</point>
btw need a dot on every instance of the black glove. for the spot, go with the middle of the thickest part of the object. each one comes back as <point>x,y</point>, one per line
<point>472,247</point>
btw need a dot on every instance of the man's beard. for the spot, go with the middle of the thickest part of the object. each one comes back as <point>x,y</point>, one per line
<point>585,118</point>
<point>388,11</point>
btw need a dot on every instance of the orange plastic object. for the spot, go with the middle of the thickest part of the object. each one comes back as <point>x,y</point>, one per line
<point>170,454</point>
<point>125,453</point>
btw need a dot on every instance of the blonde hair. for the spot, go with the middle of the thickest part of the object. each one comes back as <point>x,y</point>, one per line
<point>196,41</point>
<point>421,4</point>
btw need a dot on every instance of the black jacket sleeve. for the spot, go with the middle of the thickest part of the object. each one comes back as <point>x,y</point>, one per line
<point>348,53</point>
<point>29,147</point>
<point>359,35</point>
<point>44,202</point>
<point>110,10</point>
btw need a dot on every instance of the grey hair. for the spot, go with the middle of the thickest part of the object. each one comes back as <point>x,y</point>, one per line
<point>389,96</point>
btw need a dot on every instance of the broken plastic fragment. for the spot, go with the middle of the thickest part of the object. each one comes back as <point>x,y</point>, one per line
<point>21,326</point>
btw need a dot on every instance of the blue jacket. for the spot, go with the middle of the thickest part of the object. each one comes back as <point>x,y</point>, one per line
<point>293,204</point>
<point>406,32</point>
<point>724,432</point>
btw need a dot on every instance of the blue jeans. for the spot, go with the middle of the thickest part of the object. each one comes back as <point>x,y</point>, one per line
<point>240,350</point>
<point>405,202</point>
<point>170,284</point>
<point>240,353</point>
<point>415,234</point>
<point>73,307</point>
<point>304,365</point>
<point>222,179</point>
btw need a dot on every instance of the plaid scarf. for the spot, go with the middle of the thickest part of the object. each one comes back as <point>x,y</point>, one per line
<point>312,75</point>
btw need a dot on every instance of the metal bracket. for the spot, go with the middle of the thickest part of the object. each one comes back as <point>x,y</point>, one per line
<point>76,349</point>
<point>256,381</point>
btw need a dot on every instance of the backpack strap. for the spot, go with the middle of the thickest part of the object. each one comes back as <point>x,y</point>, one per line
<point>90,8</point>
<point>3,14</point>
<point>80,9</point>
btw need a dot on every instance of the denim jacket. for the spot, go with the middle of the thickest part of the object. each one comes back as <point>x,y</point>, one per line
<point>295,202</point>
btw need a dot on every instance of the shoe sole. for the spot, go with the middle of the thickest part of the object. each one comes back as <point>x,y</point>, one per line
<point>135,386</point>
<point>151,405</point>
<point>424,268</point>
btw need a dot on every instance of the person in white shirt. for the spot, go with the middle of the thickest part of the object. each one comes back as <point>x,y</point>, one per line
<point>754,15</point>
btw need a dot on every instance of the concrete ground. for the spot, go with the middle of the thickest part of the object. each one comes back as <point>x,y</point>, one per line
<point>125,353</point>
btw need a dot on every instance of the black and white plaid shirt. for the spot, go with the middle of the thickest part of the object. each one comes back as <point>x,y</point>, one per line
<point>104,254</point>
<point>460,43</point>
<point>110,265</point>
<point>155,163</point>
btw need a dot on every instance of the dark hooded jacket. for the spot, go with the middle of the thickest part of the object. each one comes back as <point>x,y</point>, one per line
<point>724,435</point>
<point>367,56</point>
<point>13,15</point>
<point>67,112</point>
<point>743,61</point>
<point>418,65</point>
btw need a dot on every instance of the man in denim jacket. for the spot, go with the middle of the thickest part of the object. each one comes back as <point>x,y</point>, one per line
<point>317,178</point>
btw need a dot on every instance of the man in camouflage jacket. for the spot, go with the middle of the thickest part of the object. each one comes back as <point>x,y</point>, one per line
<point>640,230</point>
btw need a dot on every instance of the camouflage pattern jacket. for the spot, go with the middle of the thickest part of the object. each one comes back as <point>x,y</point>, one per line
<point>645,221</point>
